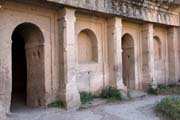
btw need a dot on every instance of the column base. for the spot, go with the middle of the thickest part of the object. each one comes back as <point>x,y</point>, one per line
<point>72,97</point>
<point>2,112</point>
<point>121,86</point>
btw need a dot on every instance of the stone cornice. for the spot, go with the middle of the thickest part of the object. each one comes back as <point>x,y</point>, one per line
<point>145,10</point>
<point>156,11</point>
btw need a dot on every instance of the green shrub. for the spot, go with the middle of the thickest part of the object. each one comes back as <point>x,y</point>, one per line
<point>172,85</point>
<point>56,104</point>
<point>163,86</point>
<point>111,93</point>
<point>170,106</point>
<point>153,91</point>
<point>86,97</point>
<point>164,90</point>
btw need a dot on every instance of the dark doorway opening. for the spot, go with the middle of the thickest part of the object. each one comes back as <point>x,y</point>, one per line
<point>19,71</point>
<point>28,78</point>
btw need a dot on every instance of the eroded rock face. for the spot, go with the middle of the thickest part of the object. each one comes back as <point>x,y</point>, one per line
<point>147,10</point>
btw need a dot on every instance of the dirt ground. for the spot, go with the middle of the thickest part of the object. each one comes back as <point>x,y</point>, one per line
<point>139,109</point>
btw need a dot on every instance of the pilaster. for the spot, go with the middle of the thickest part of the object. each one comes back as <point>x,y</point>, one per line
<point>173,63</point>
<point>147,55</point>
<point>115,52</point>
<point>68,88</point>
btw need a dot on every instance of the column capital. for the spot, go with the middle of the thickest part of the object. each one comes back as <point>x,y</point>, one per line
<point>115,21</point>
<point>172,30</point>
<point>147,26</point>
<point>68,14</point>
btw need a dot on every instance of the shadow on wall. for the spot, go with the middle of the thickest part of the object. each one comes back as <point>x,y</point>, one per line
<point>27,66</point>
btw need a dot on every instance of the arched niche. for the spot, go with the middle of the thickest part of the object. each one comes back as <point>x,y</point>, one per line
<point>28,78</point>
<point>87,47</point>
<point>157,48</point>
<point>128,61</point>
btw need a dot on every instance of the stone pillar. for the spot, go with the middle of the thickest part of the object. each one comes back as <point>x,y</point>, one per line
<point>147,55</point>
<point>68,88</point>
<point>2,112</point>
<point>115,52</point>
<point>5,67</point>
<point>173,63</point>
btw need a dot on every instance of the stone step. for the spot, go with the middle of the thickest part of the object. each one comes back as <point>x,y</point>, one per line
<point>136,94</point>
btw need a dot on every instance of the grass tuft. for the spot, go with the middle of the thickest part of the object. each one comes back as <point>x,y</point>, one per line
<point>86,97</point>
<point>170,106</point>
<point>111,94</point>
<point>56,104</point>
<point>164,90</point>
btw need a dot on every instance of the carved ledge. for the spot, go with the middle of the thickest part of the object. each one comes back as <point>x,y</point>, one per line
<point>156,11</point>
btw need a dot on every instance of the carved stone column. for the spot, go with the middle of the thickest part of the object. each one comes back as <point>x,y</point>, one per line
<point>5,67</point>
<point>115,52</point>
<point>173,63</point>
<point>147,55</point>
<point>68,88</point>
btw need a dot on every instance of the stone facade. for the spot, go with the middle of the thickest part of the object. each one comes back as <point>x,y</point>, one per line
<point>63,47</point>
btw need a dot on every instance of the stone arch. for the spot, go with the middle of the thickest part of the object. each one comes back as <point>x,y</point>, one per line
<point>128,61</point>
<point>157,48</point>
<point>87,46</point>
<point>28,60</point>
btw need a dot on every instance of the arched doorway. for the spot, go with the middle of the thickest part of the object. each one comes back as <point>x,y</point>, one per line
<point>128,61</point>
<point>28,85</point>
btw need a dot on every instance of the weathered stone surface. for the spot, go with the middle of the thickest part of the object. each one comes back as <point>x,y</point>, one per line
<point>142,9</point>
<point>136,94</point>
<point>124,95</point>
<point>2,112</point>
<point>144,47</point>
<point>70,91</point>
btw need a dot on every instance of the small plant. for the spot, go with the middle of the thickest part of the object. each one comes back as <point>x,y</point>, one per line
<point>153,91</point>
<point>170,106</point>
<point>172,85</point>
<point>56,104</point>
<point>163,86</point>
<point>86,97</point>
<point>111,93</point>
<point>164,90</point>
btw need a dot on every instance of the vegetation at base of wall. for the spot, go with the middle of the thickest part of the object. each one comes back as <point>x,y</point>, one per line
<point>56,104</point>
<point>163,86</point>
<point>163,89</point>
<point>111,94</point>
<point>153,91</point>
<point>86,97</point>
<point>170,106</point>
